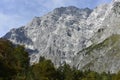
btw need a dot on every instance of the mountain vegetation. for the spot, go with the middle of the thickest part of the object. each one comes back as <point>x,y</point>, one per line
<point>14,65</point>
<point>81,37</point>
<point>111,47</point>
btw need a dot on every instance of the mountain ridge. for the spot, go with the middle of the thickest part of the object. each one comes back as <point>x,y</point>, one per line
<point>62,33</point>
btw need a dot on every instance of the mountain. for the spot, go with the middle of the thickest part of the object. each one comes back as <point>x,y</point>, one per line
<point>57,35</point>
<point>84,38</point>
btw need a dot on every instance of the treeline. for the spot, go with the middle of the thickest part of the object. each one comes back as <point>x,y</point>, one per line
<point>14,65</point>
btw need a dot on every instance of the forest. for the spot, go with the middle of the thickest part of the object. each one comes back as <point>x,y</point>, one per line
<point>14,65</point>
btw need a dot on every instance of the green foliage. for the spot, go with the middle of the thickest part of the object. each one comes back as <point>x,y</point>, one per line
<point>113,41</point>
<point>44,70</point>
<point>14,65</point>
<point>14,60</point>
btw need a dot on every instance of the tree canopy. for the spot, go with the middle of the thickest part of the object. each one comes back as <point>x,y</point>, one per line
<point>14,65</point>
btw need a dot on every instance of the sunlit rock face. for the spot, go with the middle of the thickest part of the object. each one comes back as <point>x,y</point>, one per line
<point>79,37</point>
<point>104,54</point>
<point>58,35</point>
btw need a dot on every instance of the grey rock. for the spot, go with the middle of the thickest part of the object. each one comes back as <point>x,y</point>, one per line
<point>74,36</point>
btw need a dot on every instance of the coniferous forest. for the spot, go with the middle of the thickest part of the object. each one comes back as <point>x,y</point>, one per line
<point>14,65</point>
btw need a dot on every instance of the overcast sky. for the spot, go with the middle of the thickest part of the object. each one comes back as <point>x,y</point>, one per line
<point>15,13</point>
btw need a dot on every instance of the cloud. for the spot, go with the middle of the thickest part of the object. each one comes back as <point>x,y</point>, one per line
<point>79,3</point>
<point>8,22</point>
<point>14,13</point>
<point>53,3</point>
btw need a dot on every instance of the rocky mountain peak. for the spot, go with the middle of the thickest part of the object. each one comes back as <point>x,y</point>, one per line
<point>35,21</point>
<point>116,0</point>
<point>78,37</point>
<point>72,10</point>
<point>66,9</point>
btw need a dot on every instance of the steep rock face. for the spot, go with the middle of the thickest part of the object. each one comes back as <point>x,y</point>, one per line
<point>79,37</point>
<point>58,35</point>
<point>103,54</point>
<point>110,23</point>
<point>102,57</point>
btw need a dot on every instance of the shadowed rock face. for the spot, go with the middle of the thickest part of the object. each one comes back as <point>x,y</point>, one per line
<point>67,34</point>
